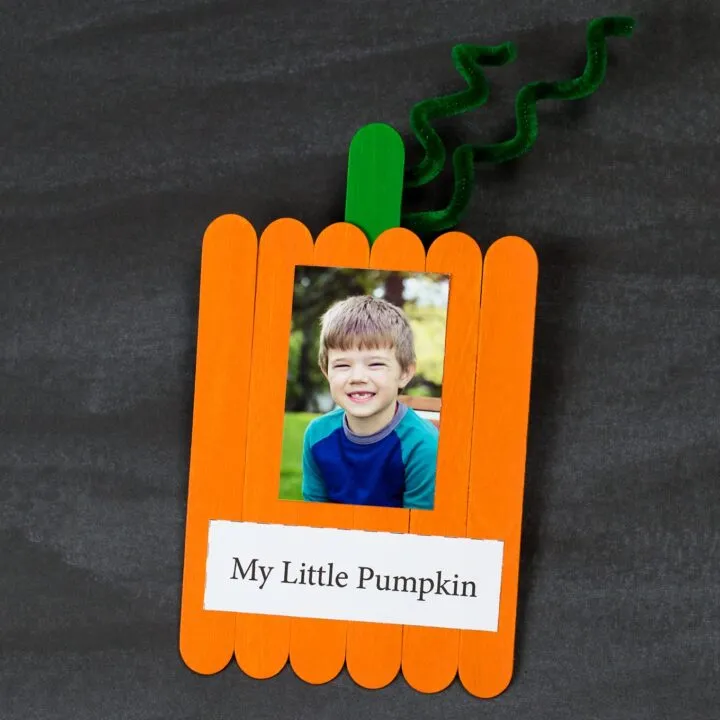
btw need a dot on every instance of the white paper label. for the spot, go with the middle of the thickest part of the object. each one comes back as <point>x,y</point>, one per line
<point>354,575</point>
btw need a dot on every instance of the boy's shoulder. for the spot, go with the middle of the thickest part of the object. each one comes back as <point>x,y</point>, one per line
<point>419,440</point>
<point>415,428</point>
<point>324,425</point>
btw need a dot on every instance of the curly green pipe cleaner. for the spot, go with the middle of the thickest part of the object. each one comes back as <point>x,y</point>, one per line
<point>468,60</point>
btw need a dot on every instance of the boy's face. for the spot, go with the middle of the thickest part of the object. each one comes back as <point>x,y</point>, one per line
<point>365,383</point>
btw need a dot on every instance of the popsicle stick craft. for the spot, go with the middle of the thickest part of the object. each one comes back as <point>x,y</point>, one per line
<point>360,422</point>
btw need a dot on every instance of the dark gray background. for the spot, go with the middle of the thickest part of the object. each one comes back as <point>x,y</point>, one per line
<point>126,128</point>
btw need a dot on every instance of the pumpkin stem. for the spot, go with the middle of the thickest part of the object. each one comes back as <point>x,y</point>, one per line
<point>376,169</point>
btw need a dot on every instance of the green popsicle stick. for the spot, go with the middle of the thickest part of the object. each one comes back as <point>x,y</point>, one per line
<point>376,169</point>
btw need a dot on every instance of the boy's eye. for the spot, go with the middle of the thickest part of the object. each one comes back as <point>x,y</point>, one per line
<point>377,364</point>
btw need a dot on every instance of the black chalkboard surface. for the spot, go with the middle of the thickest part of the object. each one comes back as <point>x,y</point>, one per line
<point>128,127</point>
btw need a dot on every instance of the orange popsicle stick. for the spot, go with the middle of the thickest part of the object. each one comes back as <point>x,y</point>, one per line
<point>217,458</point>
<point>262,642</point>
<point>317,647</point>
<point>430,655</point>
<point>374,650</point>
<point>497,468</point>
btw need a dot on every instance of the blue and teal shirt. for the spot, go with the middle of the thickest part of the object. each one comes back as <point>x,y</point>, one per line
<point>395,467</point>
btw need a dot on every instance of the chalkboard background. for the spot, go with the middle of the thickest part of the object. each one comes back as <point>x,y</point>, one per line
<point>126,128</point>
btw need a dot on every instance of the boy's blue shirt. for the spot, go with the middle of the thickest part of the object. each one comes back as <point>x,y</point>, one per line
<point>395,467</point>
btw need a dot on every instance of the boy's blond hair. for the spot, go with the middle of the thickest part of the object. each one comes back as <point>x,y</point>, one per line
<point>366,322</point>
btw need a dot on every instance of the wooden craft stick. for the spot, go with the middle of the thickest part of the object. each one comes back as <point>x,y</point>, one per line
<point>430,655</point>
<point>317,647</point>
<point>376,166</point>
<point>497,467</point>
<point>217,456</point>
<point>262,642</point>
<point>374,650</point>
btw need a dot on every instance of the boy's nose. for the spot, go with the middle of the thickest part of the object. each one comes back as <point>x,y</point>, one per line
<point>357,374</point>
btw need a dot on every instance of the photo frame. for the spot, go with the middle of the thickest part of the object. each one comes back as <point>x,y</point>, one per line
<point>243,335</point>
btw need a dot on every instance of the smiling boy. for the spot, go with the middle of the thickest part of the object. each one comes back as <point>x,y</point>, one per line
<point>370,450</point>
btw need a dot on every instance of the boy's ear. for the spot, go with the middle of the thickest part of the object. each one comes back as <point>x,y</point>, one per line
<point>407,375</point>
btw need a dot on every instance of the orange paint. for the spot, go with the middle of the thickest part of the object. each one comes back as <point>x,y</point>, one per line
<point>217,457</point>
<point>497,469</point>
<point>374,651</point>
<point>317,647</point>
<point>430,655</point>
<point>262,643</point>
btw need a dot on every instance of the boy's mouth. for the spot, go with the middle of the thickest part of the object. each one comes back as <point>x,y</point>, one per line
<point>361,396</point>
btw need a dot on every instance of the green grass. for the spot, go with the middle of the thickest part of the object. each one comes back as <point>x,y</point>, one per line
<point>291,463</point>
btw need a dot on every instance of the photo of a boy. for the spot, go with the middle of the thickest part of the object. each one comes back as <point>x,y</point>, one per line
<point>371,449</point>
